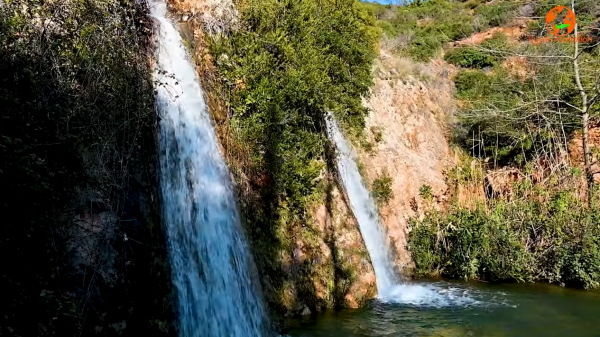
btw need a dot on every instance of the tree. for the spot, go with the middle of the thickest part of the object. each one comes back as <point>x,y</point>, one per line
<point>517,118</point>
<point>586,106</point>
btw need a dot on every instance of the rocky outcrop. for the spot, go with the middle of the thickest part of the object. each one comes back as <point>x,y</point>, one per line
<point>332,254</point>
<point>409,106</point>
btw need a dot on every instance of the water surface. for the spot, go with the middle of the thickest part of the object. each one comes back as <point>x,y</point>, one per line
<point>472,310</point>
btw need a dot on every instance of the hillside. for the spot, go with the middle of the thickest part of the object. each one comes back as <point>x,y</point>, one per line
<point>145,202</point>
<point>519,201</point>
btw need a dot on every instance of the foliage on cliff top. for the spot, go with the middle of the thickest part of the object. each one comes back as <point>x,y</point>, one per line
<point>288,63</point>
<point>421,28</point>
<point>77,118</point>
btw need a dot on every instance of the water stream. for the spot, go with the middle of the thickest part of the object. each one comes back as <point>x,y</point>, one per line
<point>212,269</point>
<point>390,287</point>
<point>364,209</point>
<point>442,308</point>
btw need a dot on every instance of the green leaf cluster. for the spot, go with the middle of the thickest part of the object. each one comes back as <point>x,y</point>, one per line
<point>291,62</point>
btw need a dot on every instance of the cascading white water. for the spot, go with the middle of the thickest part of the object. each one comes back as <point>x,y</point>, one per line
<point>364,209</point>
<point>389,286</point>
<point>210,261</point>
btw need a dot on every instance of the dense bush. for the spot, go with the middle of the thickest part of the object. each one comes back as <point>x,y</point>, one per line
<point>290,63</point>
<point>469,57</point>
<point>557,242</point>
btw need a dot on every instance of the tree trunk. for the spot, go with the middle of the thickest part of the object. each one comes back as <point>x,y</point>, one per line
<point>587,153</point>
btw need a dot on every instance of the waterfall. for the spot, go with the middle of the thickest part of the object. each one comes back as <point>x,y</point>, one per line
<point>389,286</point>
<point>364,209</point>
<point>212,269</point>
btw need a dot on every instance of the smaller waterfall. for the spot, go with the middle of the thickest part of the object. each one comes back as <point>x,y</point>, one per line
<point>364,209</point>
<point>389,286</point>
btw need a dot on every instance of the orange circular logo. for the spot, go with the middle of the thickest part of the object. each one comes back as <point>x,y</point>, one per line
<point>561,21</point>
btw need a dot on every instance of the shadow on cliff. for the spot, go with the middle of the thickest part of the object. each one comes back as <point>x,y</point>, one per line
<point>78,148</point>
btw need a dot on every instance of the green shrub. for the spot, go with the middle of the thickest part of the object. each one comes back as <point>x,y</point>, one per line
<point>473,85</point>
<point>522,241</point>
<point>469,57</point>
<point>387,27</point>
<point>426,192</point>
<point>422,48</point>
<point>382,189</point>
<point>495,15</point>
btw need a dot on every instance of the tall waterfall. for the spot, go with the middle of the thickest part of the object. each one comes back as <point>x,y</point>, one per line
<point>389,286</point>
<point>211,265</point>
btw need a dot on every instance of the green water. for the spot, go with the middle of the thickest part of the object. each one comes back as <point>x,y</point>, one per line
<point>490,310</point>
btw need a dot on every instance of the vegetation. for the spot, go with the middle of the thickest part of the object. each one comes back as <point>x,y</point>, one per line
<point>77,126</point>
<point>554,241</point>
<point>517,116</point>
<point>382,189</point>
<point>422,28</point>
<point>469,57</point>
<point>521,114</point>
<point>426,192</point>
<point>289,63</point>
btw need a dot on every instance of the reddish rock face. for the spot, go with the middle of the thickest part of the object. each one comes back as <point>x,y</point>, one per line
<point>408,111</point>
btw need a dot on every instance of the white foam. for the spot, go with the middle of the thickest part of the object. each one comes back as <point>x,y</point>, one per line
<point>431,295</point>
